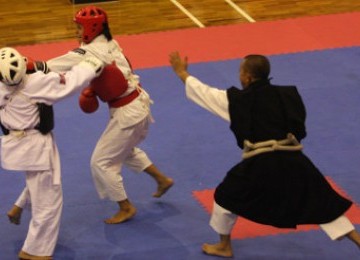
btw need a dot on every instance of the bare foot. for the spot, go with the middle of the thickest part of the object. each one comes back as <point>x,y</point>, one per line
<point>217,250</point>
<point>163,186</point>
<point>14,215</point>
<point>121,216</point>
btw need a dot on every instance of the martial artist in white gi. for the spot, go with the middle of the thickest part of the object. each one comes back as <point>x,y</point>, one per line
<point>130,115</point>
<point>274,184</point>
<point>29,146</point>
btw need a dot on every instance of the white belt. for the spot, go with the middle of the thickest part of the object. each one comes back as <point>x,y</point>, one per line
<point>288,144</point>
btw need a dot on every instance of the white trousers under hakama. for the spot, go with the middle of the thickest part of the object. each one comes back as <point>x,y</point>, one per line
<point>223,221</point>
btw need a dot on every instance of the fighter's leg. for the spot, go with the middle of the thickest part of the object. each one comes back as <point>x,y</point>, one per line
<point>340,228</point>
<point>222,221</point>
<point>14,214</point>
<point>164,183</point>
<point>354,236</point>
<point>138,161</point>
<point>46,209</point>
<point>112,149</point>
<point>126,212</point>
<point>107,160</point>
<point>106,172</point>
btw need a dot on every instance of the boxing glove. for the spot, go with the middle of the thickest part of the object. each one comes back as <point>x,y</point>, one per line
<point>88,101</point>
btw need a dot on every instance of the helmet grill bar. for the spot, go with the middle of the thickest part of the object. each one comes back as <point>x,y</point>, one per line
<point>12,74</point>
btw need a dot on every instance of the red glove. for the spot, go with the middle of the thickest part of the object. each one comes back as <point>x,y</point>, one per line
<point>34,66</point>
<point>30,66</point>
<point>88,101</point>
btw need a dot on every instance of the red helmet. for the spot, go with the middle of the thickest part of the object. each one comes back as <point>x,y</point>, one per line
<point>92,19</point>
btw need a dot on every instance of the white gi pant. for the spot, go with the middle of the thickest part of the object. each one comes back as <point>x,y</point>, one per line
<point>42,195</point>
<point>46,208</point>
<point>223,221</point>
<point>23,201</point>
<point>115,148</point>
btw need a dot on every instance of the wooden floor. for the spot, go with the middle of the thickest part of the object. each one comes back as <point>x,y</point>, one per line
<point>35,21</point>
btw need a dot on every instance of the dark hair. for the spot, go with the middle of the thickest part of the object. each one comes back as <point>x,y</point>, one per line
<point>106,31</point>
<point>258,66</point>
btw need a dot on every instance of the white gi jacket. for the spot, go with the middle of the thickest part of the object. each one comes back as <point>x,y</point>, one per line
<point>29,150</point>
<point>109,52</point>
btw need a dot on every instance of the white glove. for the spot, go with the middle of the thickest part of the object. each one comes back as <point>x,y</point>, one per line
<point>94,64</point>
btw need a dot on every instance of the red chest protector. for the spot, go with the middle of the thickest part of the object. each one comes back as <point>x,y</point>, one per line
<point>110,85</point>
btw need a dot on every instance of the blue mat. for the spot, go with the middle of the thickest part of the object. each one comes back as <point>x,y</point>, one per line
<point>196,149</point>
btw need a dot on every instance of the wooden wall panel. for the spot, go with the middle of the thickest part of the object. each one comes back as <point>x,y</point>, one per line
<point>30,22</point>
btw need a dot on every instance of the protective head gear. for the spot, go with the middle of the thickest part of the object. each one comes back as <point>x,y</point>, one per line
<point>92,19</point>
<point>12,66</point>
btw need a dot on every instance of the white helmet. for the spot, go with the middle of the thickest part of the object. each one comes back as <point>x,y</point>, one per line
<point>12,66</point>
